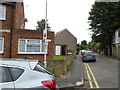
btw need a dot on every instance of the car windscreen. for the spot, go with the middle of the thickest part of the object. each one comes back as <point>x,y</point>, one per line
<point>88,53</point>
<point>40,68</point>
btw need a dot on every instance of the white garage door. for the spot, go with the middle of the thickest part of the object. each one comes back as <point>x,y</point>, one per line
<point>57,50</point>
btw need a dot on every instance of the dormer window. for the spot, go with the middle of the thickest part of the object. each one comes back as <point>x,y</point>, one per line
<point>2,12</point>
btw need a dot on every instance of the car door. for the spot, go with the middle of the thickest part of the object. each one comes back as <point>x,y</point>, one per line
<point>5,78</point>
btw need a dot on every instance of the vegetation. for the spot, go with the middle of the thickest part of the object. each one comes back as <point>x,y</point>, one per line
<point>60,57</point>
<point>104,20</point>
<point>41,25</point>
<point>82,45</point>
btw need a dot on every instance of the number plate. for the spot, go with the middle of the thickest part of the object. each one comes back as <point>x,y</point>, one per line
<point>89,56</point>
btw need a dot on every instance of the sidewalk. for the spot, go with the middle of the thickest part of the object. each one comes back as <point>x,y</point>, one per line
<point>75,75</point>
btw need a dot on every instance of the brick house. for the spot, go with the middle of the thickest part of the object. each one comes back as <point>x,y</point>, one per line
<point>65,43</point>
<point>17,42</point>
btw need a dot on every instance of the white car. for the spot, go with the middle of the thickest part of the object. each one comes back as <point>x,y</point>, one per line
<point>25,74</point>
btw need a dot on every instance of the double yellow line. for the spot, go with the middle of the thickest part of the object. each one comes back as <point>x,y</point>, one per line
<point>89,71</point>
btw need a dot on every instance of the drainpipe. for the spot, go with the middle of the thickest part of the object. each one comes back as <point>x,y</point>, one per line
<point>11,25</point>
<point>11,29</point>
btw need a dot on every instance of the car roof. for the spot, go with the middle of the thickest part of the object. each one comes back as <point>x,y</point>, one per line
<point>88,51</point>
<point>18,62</point>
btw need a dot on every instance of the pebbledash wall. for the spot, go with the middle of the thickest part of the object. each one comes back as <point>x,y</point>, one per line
<point>28,34</point>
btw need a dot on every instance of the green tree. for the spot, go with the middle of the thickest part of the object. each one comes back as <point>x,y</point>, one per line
<point>83,45</point>
<point>104,20</point>
<point>41,25</point>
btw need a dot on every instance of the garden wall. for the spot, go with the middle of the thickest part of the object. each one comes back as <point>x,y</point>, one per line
<point>60,67</point>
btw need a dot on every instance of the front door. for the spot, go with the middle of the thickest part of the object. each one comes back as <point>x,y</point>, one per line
<point>58,50</point>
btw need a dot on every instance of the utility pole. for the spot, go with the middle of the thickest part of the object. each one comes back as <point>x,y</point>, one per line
<point>45,37</point>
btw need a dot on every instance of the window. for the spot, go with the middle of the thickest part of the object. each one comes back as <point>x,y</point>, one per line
<point>31,46</point>
<point>41,69</point>
<point>1,45</point>
<point>16,72</point>
<point>4,75</point>
<point>2,12</point>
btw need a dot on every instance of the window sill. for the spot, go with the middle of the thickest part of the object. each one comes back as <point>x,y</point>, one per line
<point>32,53</point>
<point>3,19</point>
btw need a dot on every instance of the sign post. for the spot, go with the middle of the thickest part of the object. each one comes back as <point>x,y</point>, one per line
<point>45,37</point>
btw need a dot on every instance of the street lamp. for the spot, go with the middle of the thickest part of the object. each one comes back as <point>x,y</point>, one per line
<point>45,37</point>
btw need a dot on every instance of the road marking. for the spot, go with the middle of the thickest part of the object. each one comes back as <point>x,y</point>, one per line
<point>89,71</point>
<point>96,83</point>
<point>91,86</point>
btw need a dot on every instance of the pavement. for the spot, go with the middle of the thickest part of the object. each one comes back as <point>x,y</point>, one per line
<point>74,77</point>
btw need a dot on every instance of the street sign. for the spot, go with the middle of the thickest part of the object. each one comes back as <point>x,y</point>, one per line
<point>44,34</point>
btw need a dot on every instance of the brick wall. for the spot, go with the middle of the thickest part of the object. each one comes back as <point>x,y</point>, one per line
<point>66,38</point>
<point>6,24</point>
<point>31,34</point>
<point>6,53</point>
<point>18,16</point>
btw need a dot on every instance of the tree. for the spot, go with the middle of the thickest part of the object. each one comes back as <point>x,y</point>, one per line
<point>104,20</point>
<point>83,45</point>
<point>41,25</point>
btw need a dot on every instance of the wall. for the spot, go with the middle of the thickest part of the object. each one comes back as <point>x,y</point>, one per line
<point>6,24</point>
<point>60,67</point>
<point>6,51</point>
<point>66,38</point>
<point>31,34</point>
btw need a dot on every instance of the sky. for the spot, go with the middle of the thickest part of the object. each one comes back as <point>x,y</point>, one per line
<point>61,14</point>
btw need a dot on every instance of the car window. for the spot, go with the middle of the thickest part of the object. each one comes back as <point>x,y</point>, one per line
<point>4,75</point>
<point>16,72</point>
<point>88,53</point>
<point>42,69</point>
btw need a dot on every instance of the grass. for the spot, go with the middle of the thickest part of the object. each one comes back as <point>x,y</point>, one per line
<point>59,57</point>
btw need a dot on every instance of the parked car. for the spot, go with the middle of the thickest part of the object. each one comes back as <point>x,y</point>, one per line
<point>88,56</point>
<point>25,74</point>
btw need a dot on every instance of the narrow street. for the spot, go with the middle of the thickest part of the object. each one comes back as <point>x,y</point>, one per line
<point>100,74</point>
<point>105,72</point>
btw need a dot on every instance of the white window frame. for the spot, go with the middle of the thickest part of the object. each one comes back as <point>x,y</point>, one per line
<point>2,45</point>
<point>3,12</point>
<point>28,44</point>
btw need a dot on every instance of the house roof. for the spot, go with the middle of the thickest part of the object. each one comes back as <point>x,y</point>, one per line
<point>63,31</point>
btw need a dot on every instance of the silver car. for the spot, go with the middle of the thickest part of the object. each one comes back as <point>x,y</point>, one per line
<point>25,74</point>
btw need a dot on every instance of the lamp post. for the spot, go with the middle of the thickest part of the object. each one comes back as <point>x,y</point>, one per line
<point>45,37</point>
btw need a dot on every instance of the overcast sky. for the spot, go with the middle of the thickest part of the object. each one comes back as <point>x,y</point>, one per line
<point>70,14</point>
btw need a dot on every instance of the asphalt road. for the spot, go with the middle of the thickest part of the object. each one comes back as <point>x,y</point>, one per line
<point>101,74</point>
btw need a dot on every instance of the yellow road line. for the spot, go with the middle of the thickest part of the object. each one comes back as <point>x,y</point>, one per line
<point>97,86</point>
<point>91,86</point>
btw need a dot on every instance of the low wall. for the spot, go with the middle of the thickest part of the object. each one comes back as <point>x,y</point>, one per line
<point>60,67</point>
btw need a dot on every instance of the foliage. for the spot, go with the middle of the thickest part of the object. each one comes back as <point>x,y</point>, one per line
<point>82,46</point>
<point>41,25</point>
<point>104,20</point>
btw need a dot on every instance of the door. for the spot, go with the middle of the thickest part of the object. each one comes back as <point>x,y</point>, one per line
<point>58,50</point>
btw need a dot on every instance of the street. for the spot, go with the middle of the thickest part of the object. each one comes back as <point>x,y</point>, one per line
<point>100,74</point>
